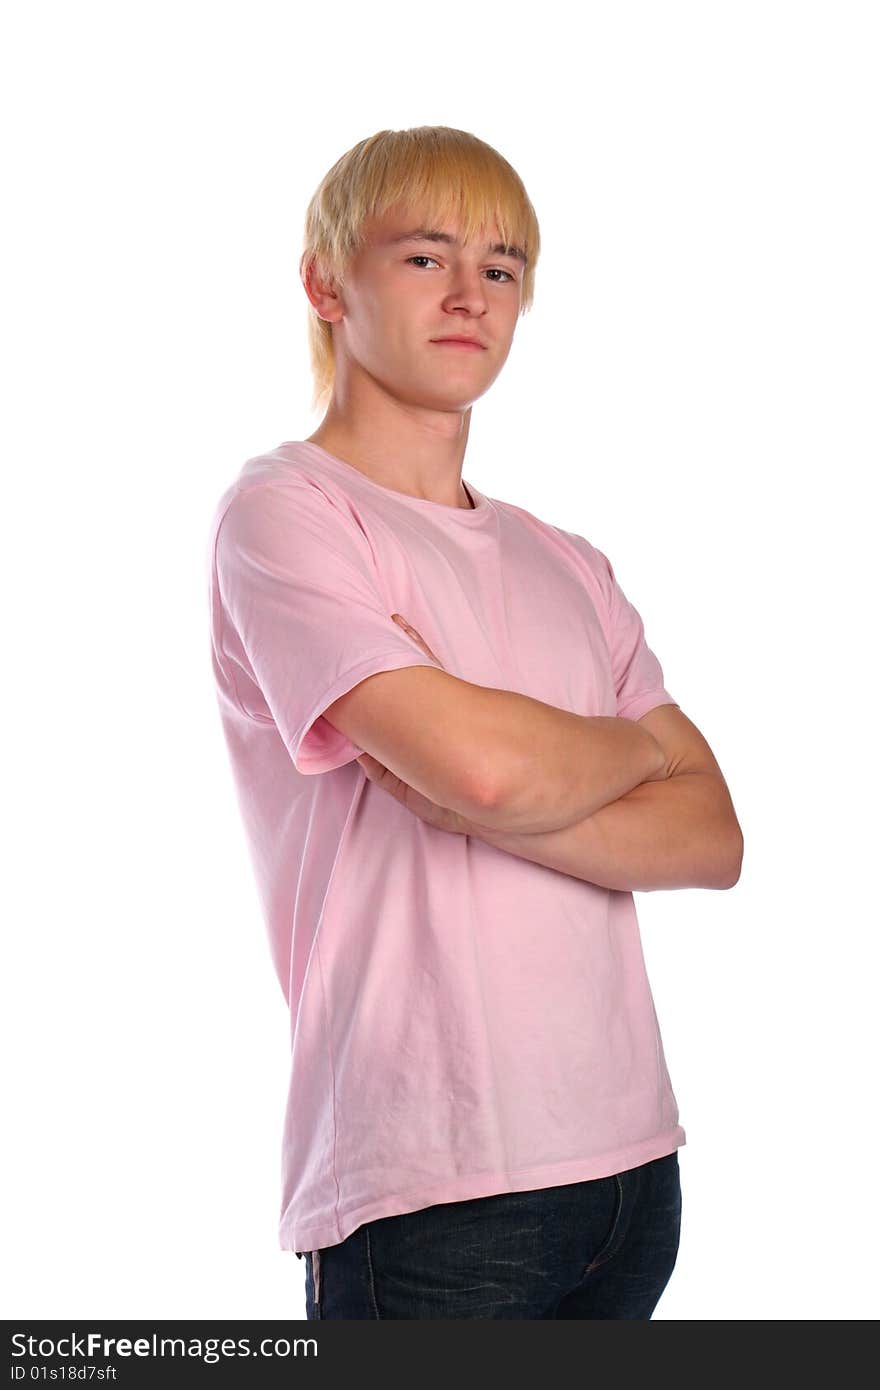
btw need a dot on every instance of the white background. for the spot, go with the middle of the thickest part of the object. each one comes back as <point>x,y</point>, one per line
<point>695,391</point>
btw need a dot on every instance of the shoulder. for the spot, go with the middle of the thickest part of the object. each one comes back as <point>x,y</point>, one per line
<point>272,491</point>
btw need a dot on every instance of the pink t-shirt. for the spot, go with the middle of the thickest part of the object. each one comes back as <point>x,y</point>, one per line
<point>463,1022</point>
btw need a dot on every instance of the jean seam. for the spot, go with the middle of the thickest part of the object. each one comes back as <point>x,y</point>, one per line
<point>372,1280</point>
<point>602,1256</point>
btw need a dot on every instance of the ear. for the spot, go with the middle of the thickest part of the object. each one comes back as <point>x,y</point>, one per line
<point>321,290</point>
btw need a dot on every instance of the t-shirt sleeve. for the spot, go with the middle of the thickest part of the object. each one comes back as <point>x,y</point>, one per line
<point>296,581</point>
<point>638,676</point>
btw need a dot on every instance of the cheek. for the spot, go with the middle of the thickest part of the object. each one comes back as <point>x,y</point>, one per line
<point>388,321</point>
<point>370,331</point>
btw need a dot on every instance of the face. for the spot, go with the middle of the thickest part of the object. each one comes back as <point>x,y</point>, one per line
<point>404,294</point>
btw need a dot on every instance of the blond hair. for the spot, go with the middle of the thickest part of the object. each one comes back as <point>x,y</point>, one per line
<point>439,170</point>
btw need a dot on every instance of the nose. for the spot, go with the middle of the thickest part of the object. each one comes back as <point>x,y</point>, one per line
<point>468,292</point>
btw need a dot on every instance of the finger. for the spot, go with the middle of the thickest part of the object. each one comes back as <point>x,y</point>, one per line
<point>417,638</point>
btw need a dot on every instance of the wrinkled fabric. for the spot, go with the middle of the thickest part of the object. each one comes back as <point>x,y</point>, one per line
<point>463,1022</point>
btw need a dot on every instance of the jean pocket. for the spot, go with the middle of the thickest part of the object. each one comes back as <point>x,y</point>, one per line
<point>316,1279</point>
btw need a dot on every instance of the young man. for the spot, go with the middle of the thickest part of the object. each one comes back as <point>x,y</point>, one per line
<point>455,759</point>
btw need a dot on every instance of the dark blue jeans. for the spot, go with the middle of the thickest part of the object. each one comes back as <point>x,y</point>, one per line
<point>604,1248</point>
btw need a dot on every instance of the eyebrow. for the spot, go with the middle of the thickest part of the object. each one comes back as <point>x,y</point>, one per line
<point>431,234</point>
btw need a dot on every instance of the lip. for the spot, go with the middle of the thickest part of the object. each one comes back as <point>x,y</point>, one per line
<point>460,342</point>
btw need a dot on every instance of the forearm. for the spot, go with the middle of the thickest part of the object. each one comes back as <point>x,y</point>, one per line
<point>549,768</point>
<point>681,832</point>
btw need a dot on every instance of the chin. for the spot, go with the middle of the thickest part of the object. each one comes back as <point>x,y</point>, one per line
<point>427,396</point>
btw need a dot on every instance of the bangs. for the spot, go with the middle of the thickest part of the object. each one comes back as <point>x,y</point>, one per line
<point>451,185</point>
<point>433,172</point>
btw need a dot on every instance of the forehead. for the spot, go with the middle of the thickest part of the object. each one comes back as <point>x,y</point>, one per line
<point>400,225</point>
<point>398,221</point>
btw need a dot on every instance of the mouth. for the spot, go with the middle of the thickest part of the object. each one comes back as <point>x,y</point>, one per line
<point>459,343</point>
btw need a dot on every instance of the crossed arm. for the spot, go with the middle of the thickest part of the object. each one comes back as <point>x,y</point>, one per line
<point>681,832</point>
<point>678,831</point>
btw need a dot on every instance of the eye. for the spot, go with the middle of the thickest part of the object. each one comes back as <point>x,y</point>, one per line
<point>494,270</point>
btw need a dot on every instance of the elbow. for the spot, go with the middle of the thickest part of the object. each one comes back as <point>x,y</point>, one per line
<point>734,863</point>
<point>484,802</point>
<point>488,798</point>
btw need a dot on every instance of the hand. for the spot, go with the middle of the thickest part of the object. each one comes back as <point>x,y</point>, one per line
<point>669,766</point>
<point>422,806</point>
